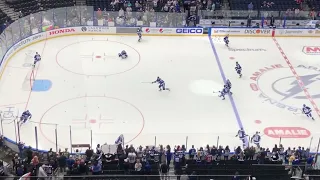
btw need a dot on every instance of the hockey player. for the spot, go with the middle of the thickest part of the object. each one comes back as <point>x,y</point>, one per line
<point>223,92</point>
<point>226,40</point>
<point>242,135</point>
<point>123,54</point>
<point>228,83</point>
<point>26,115</point>
<point>162,84</point>
<point>307,111</point>
<point>139,31</point>
<point>238,69</point>
<point>256,138</point>
<point>227,89</point>
<point>37,58</point>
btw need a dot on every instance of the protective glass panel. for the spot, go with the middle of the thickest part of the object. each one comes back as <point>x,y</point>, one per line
<point>73,16</point>
<point>60,17</point>
<point>25,27</point>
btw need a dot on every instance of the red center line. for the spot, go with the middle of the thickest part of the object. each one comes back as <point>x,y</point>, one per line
<point>33,75</point>
<point>315,107</point>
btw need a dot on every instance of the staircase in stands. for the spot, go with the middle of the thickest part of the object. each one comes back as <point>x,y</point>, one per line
<point>9,11</point>
<point>80,2</point>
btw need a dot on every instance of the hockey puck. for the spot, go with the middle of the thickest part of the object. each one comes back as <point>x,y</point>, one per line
<point>232,58</point>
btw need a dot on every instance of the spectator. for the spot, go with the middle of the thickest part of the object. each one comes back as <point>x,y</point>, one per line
<point>192,152</point>
<point>62,162</point>
<point>83,167</point>
<point>3,170</point>
<point>132,158</point>
<point>96,168</point>
<point>28,153</point>
<point>138,166</point>
<point>1,141</point>
<point>250,7</point>
<point>98,149</point>
<point>310,161</point>
<point>213,7</point>
<point>164,171</point>
<point>275,156</point>
<point>214,153</point>
<point>226,153</point>
<point>168,155</point>
<point>241,156</point>
<point>292,158</point>
<point>89,154</point>
<point>42,174</point>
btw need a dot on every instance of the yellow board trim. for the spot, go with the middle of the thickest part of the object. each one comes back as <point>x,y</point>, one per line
<point>234,35</point>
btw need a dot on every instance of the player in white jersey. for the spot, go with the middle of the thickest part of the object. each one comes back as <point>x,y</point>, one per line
<point>307,111</point>
<point>162,84</point>
<point>238,69</point>
<point>25,117</point>
<point>242,135</point>
<point>123,54</point>
<point>139,31</point>
<point>37,58</point>
<point>226,40</point>
<point>256,138</point>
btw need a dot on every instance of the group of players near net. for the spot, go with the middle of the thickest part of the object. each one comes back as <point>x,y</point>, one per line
<point>26,115</point>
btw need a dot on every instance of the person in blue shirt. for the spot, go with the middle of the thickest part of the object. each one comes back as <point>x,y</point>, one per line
<point>192,152</point>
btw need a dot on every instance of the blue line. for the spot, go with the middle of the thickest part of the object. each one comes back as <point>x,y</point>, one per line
<point>224,80</point>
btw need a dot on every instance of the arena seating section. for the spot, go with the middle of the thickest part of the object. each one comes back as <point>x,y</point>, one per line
<point>278,5</point>
<point>32,6</point>
<point>3,17</point>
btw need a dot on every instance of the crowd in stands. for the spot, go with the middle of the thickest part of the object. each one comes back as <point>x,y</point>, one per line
<point>149,160</point>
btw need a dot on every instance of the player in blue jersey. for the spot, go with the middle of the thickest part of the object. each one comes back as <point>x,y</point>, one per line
<point>162,84</point>
<point>242,135</point>
<point>307,111</point>
<point>25,117</point>
<point>139,33</point>
<point>256,138</point>
<point>227,89</point>
<point>123,54</point>
<point>238,69</point>
<point>223,93</point>
<point>37,58</point>
<point>226,40</point>
<point>228,83</point>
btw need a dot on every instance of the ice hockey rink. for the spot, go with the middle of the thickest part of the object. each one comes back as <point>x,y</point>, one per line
<point>83,90</point>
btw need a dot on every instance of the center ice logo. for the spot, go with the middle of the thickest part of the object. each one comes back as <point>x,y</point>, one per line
<point>285,92</point>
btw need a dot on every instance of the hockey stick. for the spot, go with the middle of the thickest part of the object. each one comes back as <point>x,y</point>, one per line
<point>147,82</point>
<point>297,113</point>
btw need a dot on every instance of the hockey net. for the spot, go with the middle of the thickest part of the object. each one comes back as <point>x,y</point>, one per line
<point>29,80</point>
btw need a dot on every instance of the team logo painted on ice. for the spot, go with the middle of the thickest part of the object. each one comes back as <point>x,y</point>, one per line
<point>283,91</point>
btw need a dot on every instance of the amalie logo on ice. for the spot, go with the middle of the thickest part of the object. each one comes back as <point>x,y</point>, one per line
<point>287,132</point>
<point>61,31</point>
